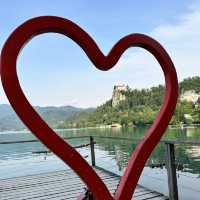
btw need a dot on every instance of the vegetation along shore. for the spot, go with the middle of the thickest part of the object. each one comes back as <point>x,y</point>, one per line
<point>133,107</point>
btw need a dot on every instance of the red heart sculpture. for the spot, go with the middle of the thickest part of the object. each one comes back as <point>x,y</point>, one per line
<point>55,143</point>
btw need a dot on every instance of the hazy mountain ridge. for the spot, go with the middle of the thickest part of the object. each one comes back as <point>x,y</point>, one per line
<point>53,115</point>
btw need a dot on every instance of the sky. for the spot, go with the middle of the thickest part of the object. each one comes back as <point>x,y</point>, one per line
<point>54,71</point>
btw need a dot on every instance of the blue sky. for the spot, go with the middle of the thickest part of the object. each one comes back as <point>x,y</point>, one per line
<point>54,71</point>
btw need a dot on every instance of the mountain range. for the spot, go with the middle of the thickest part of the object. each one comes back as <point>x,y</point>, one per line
<point>138,106</point>
<point>54,116</point>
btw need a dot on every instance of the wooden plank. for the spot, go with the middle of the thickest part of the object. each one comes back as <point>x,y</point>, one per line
<point>34,179</point>
<point>66,181</point>
<point>61,185</point>
<point>53,186</point>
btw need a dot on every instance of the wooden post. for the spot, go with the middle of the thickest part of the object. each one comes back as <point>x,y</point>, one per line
<point>92,151</point>
<point>171,171</point>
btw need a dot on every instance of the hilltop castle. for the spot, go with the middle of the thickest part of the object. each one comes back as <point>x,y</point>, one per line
<point>118,95</point>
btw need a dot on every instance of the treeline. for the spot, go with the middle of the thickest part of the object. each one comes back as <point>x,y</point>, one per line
<point>190,84</point>
<point>140,108</point>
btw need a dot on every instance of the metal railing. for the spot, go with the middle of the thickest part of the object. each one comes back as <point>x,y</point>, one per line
<point>169,158</point>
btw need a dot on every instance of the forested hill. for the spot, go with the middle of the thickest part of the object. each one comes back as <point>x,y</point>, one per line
<point>141,107</point>
<point>190,84</point>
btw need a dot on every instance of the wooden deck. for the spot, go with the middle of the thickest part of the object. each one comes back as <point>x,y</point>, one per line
<point>61,185</point>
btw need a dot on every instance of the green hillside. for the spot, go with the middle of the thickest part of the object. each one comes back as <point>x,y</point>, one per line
<point>190,84</point>
<point>140,107</point>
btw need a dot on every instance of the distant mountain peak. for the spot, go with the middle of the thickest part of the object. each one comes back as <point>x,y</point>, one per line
<point>53,115</point>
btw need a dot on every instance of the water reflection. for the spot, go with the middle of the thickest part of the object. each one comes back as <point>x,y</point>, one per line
<point>119,150</point>
<point>187,156</point>
<point>112,154</point>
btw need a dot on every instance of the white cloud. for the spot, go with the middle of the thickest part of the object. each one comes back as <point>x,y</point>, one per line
<point>181,40</point>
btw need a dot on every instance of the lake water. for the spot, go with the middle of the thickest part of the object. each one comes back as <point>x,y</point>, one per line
<point>112,154</point>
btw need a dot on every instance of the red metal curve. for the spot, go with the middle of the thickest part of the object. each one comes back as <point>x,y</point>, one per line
<point>34,122</point>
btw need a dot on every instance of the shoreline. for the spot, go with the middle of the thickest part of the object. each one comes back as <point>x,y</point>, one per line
<point>102,127</point>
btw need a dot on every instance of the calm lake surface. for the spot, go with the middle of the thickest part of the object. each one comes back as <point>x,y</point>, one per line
<point>112,154</point>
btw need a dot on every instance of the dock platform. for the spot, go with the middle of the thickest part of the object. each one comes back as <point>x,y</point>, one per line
<point>61,185</point>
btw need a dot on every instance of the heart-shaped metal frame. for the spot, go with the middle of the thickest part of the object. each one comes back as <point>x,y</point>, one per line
<point>48,137</point>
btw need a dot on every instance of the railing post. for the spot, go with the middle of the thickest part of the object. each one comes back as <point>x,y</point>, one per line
<point>171,171</point>
<point>92,151</point>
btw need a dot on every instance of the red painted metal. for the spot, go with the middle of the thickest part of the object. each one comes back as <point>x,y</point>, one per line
<point>62,149</point>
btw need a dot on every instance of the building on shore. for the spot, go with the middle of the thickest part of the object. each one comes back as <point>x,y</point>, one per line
<point>190,96</point>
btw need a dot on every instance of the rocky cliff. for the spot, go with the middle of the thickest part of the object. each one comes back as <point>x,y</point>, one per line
<point>118,95</point>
